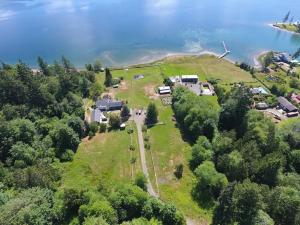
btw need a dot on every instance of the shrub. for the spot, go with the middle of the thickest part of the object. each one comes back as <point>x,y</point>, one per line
<point>67,156</point>
<point>178,171</point>
<point>102,128</point>
<point>141,181</point>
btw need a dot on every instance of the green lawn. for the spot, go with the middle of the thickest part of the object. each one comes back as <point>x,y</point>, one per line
<point>108,155</point>
<point>207,67</point>
<point>138,92</point>
<point>104,156</point>
<point>168,150</point>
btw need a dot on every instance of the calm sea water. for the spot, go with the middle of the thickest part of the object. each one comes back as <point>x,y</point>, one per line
<point>129,31</point>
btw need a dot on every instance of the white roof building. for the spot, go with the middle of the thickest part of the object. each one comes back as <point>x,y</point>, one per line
<point>164,90</point>
<point>189,77</point>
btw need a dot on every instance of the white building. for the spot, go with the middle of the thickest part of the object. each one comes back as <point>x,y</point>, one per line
<point>189,78</point>
<point>164,90</point>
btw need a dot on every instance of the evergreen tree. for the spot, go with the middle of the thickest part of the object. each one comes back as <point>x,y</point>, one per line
<point>43,66</point>
<point>108,78</point>
<point>152,114</point>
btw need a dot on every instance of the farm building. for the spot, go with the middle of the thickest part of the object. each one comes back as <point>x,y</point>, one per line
<point>189,79</point>
<point>282,57</point>
<point>164,90</point>
<point>285,105</point>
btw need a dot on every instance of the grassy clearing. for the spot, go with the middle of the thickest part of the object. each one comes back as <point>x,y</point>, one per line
<point>208,67</point>
<point>138,92</point>
<point>169,150</point>
<point>106,155</point>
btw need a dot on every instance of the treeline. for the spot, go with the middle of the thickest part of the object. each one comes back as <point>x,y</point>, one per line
<point>247,168</point>
<point>117,204</point>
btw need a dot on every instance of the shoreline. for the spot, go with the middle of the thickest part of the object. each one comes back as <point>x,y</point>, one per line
<point>257,62</point>
<point>170,56</point>
<point>155,59</point>
<point>281,29</point>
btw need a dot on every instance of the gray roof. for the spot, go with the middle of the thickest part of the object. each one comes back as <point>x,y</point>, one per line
<point>286,105</point>
<point>283,57</point>
<point>108,104</point>
<point>96,115</point>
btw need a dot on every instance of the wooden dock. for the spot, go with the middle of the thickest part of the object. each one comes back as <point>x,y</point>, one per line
<point>226,51</point>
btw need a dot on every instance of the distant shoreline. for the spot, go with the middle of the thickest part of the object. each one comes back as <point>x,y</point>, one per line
<point>281,29</point>
<point>156,59</point>
<point>170,56</point>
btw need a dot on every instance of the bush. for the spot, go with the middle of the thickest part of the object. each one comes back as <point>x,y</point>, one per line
<point>94,127</point>
<point>132,147</point>
<point>146,138</point>
<point>67,156</point>
<point>144,129</point>
<point>147,146</point>
<point>114,121</point>
<point>91,134</point>
<point>102,128</point>
<point>178,171</point>
<point>129,130</point>
<point>141,181</point>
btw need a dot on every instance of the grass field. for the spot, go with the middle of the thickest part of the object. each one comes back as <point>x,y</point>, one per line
<point>168,150</point>
<point>207,67</point>
<point>106,156</point>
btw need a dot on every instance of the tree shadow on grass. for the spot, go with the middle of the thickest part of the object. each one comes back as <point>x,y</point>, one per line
<point>184,135</point>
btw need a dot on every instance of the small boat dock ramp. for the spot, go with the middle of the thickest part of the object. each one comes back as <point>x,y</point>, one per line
<point>226,51</point>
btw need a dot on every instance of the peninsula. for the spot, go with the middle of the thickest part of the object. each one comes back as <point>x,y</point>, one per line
<point>291,27</point>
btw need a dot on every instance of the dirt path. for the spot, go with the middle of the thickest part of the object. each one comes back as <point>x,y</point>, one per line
<point>139,121</point>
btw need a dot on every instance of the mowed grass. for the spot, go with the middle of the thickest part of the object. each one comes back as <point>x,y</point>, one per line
<point>208,67</point>
<point>139,92</point>
<point>168,150</point>
<point>106,156</point>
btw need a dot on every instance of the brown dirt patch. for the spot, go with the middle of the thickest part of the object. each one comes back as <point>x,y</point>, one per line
<point>150,91</point>
<point>123,86</point>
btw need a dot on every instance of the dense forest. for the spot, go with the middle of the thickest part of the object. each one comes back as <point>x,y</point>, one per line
<point>244,165</point>
<point>41,126</point>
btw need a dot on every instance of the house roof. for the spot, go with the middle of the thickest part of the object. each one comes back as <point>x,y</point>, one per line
<point>164,88</point>
<point>96,115</point>
<point>108,104</point>
<point>286,104</point>
<point>283,57</point>
<point>189,77</point>
<point>259,90</point>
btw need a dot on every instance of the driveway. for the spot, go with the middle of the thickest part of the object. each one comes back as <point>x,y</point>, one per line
<point>139,121</point>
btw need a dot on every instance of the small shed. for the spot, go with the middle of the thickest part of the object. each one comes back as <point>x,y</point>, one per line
<point>259,90</point>
<point>164,90</point>
<point>261,106</point>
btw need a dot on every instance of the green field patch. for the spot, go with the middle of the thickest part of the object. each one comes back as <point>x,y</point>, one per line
<point>106,155</point>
